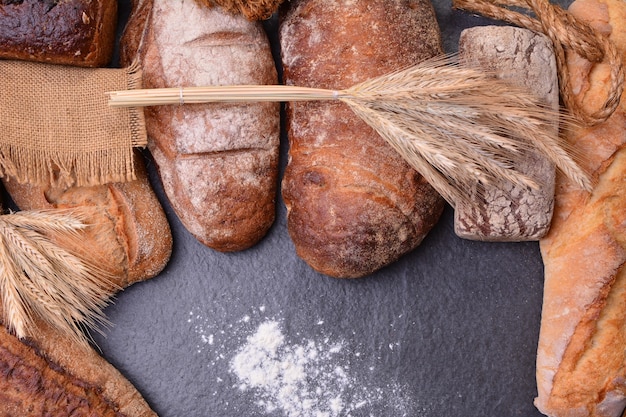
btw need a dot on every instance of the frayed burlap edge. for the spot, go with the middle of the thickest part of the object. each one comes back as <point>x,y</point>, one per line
<point>43,165</point>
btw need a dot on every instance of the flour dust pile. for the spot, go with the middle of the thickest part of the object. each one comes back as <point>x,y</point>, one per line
<point>309,377</point>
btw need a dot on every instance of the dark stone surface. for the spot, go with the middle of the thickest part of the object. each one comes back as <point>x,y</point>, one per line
<point>449,330</point>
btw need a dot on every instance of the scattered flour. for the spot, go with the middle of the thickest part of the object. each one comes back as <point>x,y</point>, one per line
<point>308,378</point>
<point>299,379</point>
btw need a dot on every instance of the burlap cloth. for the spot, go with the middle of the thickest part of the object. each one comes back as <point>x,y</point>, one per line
<point>57,127</point>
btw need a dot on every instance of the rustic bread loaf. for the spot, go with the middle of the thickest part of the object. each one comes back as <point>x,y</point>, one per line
<point>354,205</point>
<point>130,234</point>
<point>52,376</point>
<point>509,212</point>
<point>72,32</point>
<point>580,360</point>
<point>218,162</point>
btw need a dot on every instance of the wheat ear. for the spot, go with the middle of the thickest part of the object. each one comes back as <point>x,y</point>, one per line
<point>456,125</point>
<point>43,281</point>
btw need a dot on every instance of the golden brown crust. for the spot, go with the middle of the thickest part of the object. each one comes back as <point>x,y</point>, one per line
<point>134,30</point>
<point>129,233</point>
<point>219,162</point>
<point>71,32</point>
<point>581,367</point>
<point>51,374</point>
<point>353,204</point>
<point>31,386</point>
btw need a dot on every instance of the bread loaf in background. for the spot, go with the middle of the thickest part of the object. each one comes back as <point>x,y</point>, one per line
<point>218,162</point>
<point>581,360</point>
<point>353,204</point>
<point>70,32</point>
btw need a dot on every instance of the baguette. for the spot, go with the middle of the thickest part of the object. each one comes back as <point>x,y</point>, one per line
<point>218,162</point>
<point>69,32</point>
<point>581,364</point>
<point>353,204</point>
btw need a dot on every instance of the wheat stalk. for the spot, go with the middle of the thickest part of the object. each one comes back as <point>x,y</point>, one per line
<point>41,280</point>
<point>460,127</point>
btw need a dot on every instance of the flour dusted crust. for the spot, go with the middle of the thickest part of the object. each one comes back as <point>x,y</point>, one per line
<point>581,360</point>
<point>353,204</point>
<point>218,162</point>
<point>71,32</point>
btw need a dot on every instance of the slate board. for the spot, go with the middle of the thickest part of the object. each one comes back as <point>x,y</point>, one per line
<point>449,330</point>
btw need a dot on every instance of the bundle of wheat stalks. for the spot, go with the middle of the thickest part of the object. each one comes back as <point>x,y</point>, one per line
<point>461,128</point>
<point>39,280</point>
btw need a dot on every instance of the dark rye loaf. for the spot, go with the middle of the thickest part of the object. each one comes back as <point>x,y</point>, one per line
<point>70,32</point>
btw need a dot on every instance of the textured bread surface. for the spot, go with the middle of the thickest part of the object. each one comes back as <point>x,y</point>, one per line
<point>50,376</point>
<point>509,212</point>
<point>71,32</point>
<point>581,359</point>
<point>128,234</point>
<point>354,205</point>
<point>218,162</point>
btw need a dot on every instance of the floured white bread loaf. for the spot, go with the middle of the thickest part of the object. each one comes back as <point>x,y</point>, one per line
<point>218,162</point>
<point>581,359</point>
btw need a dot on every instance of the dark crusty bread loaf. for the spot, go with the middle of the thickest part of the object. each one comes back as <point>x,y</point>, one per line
<point>218,162</point>
<point>581,361</point>
<point>53,376</point>
<point>354,205</point>
<point>71,32</point>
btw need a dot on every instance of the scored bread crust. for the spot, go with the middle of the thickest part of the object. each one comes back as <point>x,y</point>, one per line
<point>129,237</point>
<point>128,232</point>
<point>354,205</point>
<point>218,162</point>
<point>581,360</point>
